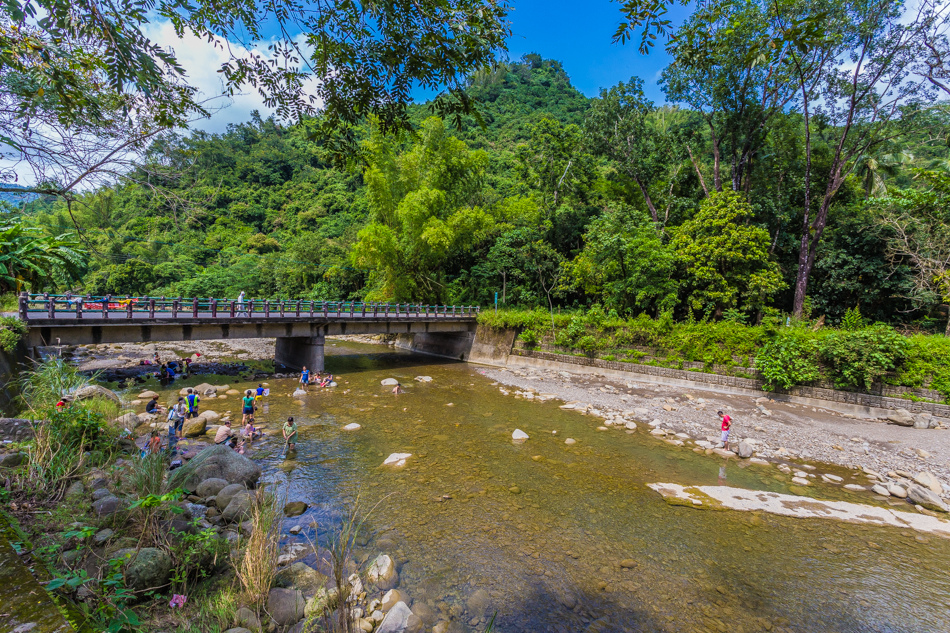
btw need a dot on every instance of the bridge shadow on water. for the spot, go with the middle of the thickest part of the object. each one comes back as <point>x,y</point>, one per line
<point>348,362</point>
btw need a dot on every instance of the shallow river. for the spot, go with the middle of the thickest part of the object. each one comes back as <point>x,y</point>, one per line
<point>542,527</point>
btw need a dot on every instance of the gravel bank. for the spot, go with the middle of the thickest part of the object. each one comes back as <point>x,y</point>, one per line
<point>779,431</point>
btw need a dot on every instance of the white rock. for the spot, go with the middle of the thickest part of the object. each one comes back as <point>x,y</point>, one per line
<point>299,392</point>
<point>519,435</point>
<point>397,459</point>
<point>353,426</point>
<point>927,480</point>
<point>382,572</point>
<point>423,378</point>
<point>389,382</point>
<point>659,432</point>
<point>881,490</point>
<point>759,461</point>
<point>834,478</point>
<point>631,425</point>
<point>854,488</point>
<point>800,481</point>
<point>897,490</point>
<point>570,441</point>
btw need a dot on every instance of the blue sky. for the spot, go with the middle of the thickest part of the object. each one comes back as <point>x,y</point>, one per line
<point>577,34</point>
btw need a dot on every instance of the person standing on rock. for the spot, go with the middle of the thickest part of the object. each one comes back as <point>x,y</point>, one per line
<point>192,399</point>
<point>177,415</point>
<point>290,433</point>
<point>725,426</point>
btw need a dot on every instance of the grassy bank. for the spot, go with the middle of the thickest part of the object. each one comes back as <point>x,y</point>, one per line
<point>854,357</point>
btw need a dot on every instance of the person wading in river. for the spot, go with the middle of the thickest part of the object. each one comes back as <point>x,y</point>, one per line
<point>290,433</point>
<point>192,399</point>
<point>248,411</point>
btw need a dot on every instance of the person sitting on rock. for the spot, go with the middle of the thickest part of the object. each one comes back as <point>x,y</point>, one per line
<point>153,407</point>
<point>223,433</point>
<point>251,432</point>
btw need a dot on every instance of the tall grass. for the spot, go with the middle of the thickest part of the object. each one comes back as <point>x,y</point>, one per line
<point>52,379</point>
<point>257,566</point>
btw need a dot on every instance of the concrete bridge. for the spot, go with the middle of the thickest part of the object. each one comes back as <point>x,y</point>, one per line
<point>299,326</point>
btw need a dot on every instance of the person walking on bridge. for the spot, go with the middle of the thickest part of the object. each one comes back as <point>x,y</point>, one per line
<point>240,304</point>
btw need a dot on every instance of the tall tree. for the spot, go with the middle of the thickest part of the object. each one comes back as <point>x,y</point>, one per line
<point>422,212</point>
<point>726,259</point>
<point>863,91</point>
<point>618,127</point>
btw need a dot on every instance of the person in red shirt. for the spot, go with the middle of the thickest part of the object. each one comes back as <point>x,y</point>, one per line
<point>726,425</point>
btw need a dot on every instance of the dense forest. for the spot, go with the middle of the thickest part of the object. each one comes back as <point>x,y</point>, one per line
<point>550,199</point>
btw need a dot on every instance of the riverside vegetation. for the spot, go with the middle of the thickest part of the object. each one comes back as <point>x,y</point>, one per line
<point>786,353</point>
<point>130,545</point>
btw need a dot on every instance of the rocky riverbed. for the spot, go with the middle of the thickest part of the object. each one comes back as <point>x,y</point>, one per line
<point>896,460</point>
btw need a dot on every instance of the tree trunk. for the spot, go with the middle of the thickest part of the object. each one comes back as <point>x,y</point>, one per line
<point>702,181</point>
<point>648,199</point>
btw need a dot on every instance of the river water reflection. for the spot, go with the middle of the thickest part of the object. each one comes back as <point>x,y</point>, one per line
<point>568,538</point>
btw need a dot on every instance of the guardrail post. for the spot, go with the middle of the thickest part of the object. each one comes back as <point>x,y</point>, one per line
<point>106,300</point>
<point>266,308</point>
<point>352,306</point>
<point>24,306</point>
<point>298,307</point>
<point>128,308</point>
<point>364,308</point>
<point>214,308</point>
<point>175,309</point>
<point>194,307</point>
<point>79,308</point>
<point>151,308</point>
<point>324,303</point>
<point>387,310</point>
<point>233,308</point>
<point>50,306</point>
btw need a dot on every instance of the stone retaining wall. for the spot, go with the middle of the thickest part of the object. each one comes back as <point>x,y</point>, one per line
<point>870,400</point>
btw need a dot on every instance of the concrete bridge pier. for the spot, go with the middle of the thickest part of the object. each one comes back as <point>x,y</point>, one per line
<point>293,352</point>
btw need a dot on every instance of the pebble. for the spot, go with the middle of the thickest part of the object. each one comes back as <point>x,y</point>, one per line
<point>570,441</point>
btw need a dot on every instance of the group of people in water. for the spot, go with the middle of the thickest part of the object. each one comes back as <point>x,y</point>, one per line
<point>168,371</point>
<point>186,407</point>
<point>318,379</point>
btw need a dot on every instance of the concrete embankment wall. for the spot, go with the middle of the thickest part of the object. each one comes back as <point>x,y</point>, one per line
<point>11,364</point>
<point>498,349</point>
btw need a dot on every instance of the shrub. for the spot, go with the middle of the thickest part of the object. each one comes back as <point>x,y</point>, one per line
<point>588,344</point>
<point>790,359</point>
<point>12,331</point>
<point>860,358</point>
<point>529,338</point>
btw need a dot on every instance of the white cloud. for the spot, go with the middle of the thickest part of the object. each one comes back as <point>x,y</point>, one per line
<point>202,60</point>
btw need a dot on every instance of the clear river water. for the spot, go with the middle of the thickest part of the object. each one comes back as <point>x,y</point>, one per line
<point>536,532</point>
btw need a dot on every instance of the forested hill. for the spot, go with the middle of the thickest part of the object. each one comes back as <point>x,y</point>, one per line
<point>538,203</point>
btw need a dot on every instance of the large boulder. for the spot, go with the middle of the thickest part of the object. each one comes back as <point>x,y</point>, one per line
<point>209,416</point>
<point>217,462</point>
<point>147,395</point>
<point>147,568</point>
<point>95,391</point>
<point>301,576</point>
<point>745,450</point>
<point>194,427</point>
<point>927,480</point>
<point>923,421</point>
<point>397,620</point>
<point>925,497</point>
<point>129,420</point>
<point>240,507</point>
<point>901,417</point>
<point>211,487</point>
<point>107,506</point>
<point>224,496</point>
<point>12,460</point>
<point>285,606</point>
<point>295,508</point>
<point>382,572</point>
